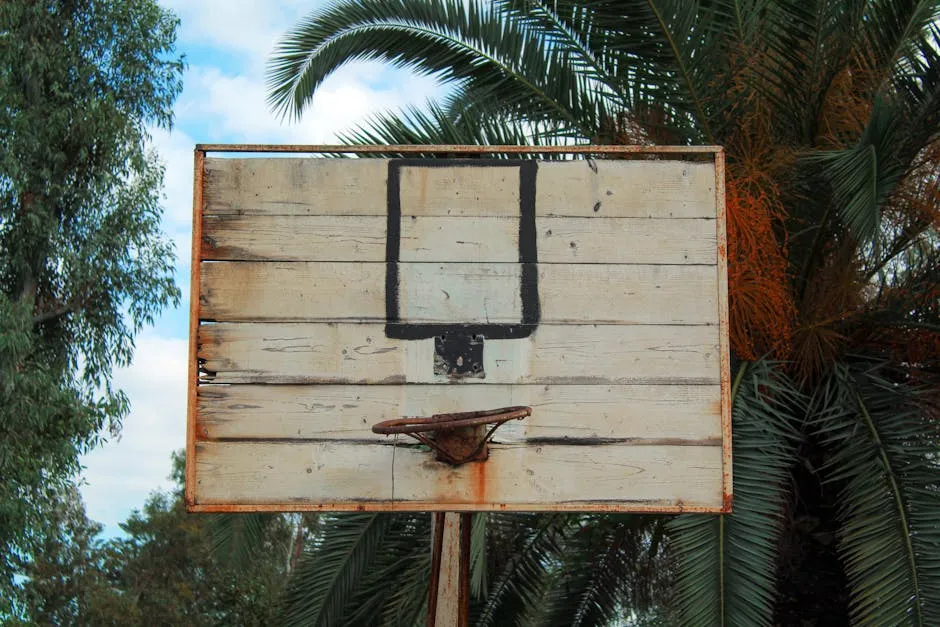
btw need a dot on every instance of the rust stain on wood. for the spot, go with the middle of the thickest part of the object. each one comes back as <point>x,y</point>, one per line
<point>478,494</point>
<point>723,339</point>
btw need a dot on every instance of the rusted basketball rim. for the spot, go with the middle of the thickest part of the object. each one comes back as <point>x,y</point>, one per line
<point>457,438</point>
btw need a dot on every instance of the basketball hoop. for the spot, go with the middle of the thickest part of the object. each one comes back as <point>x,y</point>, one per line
<point>457,438</point>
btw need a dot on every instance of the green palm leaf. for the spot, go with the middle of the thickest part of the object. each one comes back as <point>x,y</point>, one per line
<point>462,42</point>
<point>807,45</point>
<point>916,81</point>
<point>329,575</point>
<point>890,31</point>
<point>886,458</point>
<point>726,565</point>
<point>863,177</point>
<point>435,125</point>
<point>608,565</point>
<point>522,579</point>
<point>238,538</point>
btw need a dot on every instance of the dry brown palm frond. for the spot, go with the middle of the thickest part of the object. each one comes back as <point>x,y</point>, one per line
<point>844,112</point>
<point>834,296</point>
<point>762,309</point>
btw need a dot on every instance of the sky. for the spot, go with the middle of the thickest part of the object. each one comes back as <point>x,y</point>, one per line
<point>226,44</point>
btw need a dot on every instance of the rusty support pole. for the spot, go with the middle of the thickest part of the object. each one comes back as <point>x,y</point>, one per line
<point>449,590</point>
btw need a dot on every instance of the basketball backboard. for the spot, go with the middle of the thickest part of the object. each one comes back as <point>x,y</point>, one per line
<point>332,294</point>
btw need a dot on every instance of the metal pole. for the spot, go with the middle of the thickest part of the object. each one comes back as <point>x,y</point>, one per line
<point>449,590</point>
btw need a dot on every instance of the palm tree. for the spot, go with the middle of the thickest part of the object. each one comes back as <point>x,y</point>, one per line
<point>828,112</point>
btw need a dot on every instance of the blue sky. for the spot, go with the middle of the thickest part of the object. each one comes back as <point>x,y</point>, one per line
<point>226,43</point>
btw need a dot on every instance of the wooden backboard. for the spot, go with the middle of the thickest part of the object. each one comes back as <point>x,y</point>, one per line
<point>325,294</point>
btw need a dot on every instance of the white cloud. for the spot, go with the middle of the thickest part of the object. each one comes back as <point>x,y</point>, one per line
<point>246,27</point>
<point>120,474</point>
<point>235,107</point>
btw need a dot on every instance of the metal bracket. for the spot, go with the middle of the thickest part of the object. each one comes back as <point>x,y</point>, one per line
<point>459,355</point>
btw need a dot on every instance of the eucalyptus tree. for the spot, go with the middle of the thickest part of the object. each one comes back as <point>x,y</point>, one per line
<point>828,113</point>
<point>83,262</point>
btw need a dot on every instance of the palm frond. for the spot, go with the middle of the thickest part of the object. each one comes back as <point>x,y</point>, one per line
<point>237,539</point>
<point>478,579</point>
<point>605,569</point>
<point>889,35</point>
<point>329,575</point>
<point>520,583</point>
<point>466,43</point>
<point>916,84</point>
<point>864,176</point>
<point>726,565</point>
<point>395,590</point>
<point>434,125</point>
<point>886,458</point>
<point>664,58</point>
<point>571,29</point>
<point>807,47</point>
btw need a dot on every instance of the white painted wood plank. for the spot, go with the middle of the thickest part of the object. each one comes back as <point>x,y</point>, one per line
<point>360,353</point>
<point>486,239</point>
<point>315,186</point>
<point>617,188</point>
<point>459,293</point>
<point>334,412</point>
<point>626,240</point>
<point>294,238</point>
<point>248,472</point>
<point>292,291</point>
<point>435,239</point>
<point>320,352</point>
<point>629,294</point>
<point>295,186</point>
<point>459,191</point>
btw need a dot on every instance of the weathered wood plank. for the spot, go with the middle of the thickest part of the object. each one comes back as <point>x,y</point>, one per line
<point>450,292</point>
<point>295,186</point>
<point>486,239</point>
<point>626,240</point>
<point>294,238</point>
<point>434,239</point>
<point>336,412</point>
<point>459,191</point>
<point>659,189</point>
<point>371,474</point>
<point>612,188</point>
<point>628,294</point>
<point>360,353</point>
<point>292,291</point>
<point>457,293</point>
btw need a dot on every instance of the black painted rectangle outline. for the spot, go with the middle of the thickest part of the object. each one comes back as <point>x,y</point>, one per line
<point>528,253</point>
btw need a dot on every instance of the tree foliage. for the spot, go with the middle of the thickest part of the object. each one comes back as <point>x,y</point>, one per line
<point>829,114</point>
<point>83,263</point>
<point>163,569</point>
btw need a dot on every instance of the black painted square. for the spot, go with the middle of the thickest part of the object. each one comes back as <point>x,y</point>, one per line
<point>528,254</point>
<point>459,355</point>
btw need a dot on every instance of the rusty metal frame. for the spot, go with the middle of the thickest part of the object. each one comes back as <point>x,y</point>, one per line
<point>457,149</point>
<point>199,160</point>
<point>717,152</point>
<point>724,347</point>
